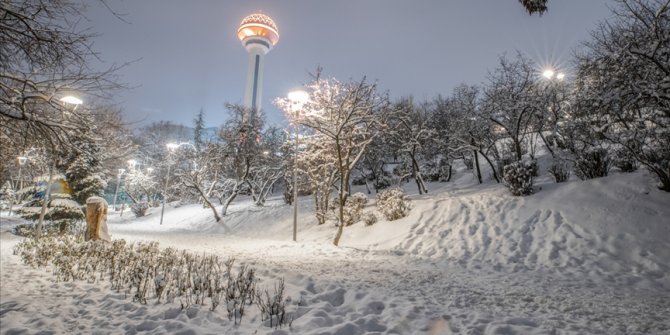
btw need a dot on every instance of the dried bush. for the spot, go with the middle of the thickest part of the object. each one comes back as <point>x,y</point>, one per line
<point>393,204</point>
<point>273,306</point>
<point>145,272</point>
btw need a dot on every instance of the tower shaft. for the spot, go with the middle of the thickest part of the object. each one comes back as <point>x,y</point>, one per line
<point>253,92</point>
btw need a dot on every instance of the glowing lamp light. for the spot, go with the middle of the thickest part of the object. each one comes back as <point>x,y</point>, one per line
<point>298,97</point>
<point>548,73</point>
<point>71,100</point>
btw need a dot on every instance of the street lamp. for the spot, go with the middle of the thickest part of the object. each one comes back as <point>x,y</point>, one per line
<point>171,148</point>
<point>297,99</point>
<point>116,190</point>
<point>72,100</point>
<point>550,74</point>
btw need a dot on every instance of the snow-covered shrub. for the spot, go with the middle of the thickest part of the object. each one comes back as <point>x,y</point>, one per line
<point>592,163</point>
<point>502,163</point>
<point>437,171</point>
<point>560,170</point>
<point>139,209</point>
<point>518,178</point>
<point>352,208</point>
<point>469,162</point>
<point>393,204</point>
<point>62,213</point>
<point>369,218</point>
<point>625,161</point>
<point>535,168</point>
<point>358,180</point>
<point>7,196</point>
<point>382,182</point>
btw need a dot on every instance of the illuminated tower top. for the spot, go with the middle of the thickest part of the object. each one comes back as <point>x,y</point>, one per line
<point>258,28</point>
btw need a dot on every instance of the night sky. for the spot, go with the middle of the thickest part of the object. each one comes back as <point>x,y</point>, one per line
<point>190,57</point>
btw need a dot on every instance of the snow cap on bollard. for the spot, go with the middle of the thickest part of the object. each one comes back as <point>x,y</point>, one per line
<point>96,219</point>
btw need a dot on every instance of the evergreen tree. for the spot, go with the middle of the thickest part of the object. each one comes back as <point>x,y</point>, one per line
<point>84,172</point>
<point>199,126</point>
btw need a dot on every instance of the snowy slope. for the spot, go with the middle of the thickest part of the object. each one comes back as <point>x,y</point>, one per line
<point>575,258</point>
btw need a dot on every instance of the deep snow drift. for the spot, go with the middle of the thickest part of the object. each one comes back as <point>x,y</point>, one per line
<point>579,257</point>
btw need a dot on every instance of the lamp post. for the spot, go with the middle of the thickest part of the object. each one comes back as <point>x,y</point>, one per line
<point>297,99</point>
<point>116,190</point>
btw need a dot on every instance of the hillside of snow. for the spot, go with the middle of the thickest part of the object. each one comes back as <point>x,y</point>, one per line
<point>578,257</point>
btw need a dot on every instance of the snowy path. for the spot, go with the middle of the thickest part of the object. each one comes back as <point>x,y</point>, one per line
<point>410,294</point>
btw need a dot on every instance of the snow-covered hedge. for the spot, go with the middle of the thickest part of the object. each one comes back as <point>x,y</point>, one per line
<point>518,178</point>
<point>143,271</point>
<point>393,204</point>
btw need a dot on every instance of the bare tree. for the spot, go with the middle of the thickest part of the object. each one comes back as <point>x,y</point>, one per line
<point>44,56</point>
<point>409,127</point>
<point>623,83</point>
<point>510,100</point>
<point>347,117</point>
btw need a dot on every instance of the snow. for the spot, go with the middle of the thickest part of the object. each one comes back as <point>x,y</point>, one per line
<point>573,258</point>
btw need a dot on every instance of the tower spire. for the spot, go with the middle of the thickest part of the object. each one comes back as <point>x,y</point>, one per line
<point>258,34</point>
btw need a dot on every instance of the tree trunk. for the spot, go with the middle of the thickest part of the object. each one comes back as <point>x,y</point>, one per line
<point>209,203</point>
<point>479,171</point>
<point>228,200</point>
<point>450,171</point>
<point>417,176</point>
<point>47,195</point>
<point>547,144</point>
<point>517,149</point>
<point>495,174</point>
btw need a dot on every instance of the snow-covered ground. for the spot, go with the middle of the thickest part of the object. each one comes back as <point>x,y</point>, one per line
<point>587,257</point>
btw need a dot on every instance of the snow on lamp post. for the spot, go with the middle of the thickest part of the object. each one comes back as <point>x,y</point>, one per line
<point>297,99</point>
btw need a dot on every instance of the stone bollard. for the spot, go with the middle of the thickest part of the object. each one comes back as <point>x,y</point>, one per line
<point>96,220</point>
